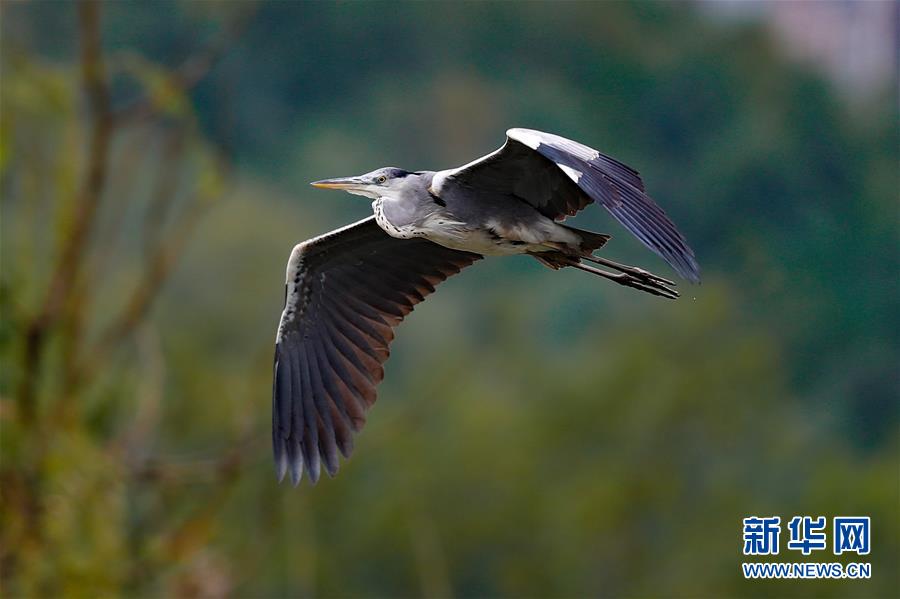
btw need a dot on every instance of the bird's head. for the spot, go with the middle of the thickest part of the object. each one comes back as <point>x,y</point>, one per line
<point>373,185</point>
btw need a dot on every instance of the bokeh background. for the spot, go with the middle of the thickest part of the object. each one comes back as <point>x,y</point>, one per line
<point>538,433</point>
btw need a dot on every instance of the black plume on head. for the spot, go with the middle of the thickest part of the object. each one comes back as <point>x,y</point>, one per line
<point>395,173</point>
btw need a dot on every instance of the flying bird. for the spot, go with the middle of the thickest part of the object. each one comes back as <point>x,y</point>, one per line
<point>346,290</point>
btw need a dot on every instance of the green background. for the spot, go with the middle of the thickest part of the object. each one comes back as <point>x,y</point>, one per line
<point>538,433</point>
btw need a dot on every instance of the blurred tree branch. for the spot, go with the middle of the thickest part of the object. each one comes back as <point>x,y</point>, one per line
<point>193,69</point>
<point>158,266</point>
<point>63,320</point>
<point>68,267</point>
<point>165,190</point>
<point>65,294</point>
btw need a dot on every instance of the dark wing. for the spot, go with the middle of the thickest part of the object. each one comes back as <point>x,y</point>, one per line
<point>559,177</point>
<point>345,292</point>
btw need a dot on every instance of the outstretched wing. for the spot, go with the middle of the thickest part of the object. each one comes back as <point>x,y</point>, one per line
<point>345,292</point>
<point>559,177</point>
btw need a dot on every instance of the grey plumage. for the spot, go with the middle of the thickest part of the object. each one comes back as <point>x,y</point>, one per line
<point>559,177</point>
<point>347,290</point>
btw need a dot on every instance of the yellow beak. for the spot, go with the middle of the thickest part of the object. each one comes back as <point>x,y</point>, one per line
<point>342,183</point>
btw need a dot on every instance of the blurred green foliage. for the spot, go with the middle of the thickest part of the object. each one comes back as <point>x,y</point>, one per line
<point>539,434</point>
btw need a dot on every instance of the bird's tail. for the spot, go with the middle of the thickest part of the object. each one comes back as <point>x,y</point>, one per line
<point>590,241</point>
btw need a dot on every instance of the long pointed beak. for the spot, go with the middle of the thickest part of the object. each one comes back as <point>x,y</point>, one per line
<point>345,183</point>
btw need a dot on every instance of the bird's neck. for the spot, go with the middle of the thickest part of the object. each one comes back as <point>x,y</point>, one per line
<point>401,212</point>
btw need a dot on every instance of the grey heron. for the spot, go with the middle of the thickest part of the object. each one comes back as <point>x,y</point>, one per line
<point>345,291</point>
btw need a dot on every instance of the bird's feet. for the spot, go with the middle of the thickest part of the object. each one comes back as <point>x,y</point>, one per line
<point>629,276</point>
<point>649,284</point>
<point>638,273</point>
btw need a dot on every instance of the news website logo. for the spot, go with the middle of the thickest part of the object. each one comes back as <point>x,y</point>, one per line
<point>807,535</point>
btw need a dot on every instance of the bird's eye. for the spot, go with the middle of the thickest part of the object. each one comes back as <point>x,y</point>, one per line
<point>381,179</point>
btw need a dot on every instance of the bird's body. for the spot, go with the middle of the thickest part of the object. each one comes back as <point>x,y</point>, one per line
<point>347,290</point>
<point>498,225</point>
